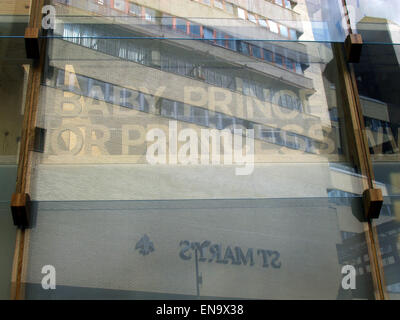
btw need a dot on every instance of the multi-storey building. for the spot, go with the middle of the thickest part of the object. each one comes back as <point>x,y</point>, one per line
<point>188,148</point>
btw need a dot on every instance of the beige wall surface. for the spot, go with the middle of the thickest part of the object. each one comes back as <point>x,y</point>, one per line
<point>17,7</point>
<point>94,246</point>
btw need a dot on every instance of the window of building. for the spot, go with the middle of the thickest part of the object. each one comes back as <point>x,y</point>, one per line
<point>243,47</point>
<point>241,14</point>
<point>96,89</point>
<point>270,134</point>
<point>310,145</point>
<point>218,4</point>
<point>252,17</point>
<point>86,38</point>
<point>208,34</point>
<point>167,21</point>
<point>220,39</point>
<point>200,116</point>
<point>268,56</point>
<point>290,102</point>
<point>293,34</point>
<point>299,69</point>
<point>225,121</point>
<point>284,31</point>
<point>195,30</point>
<point>290,64</point>
<point>273,26</point>
<point>256,51</point>
<point>150,15</point>
<point>119,4</point>
<point>254,89</point>
<point>181,25</point>
<point>263,23</point>
<point>136,54</point>
<point>291,140</point>
<point>229,8</point>
<point>125,97</point>
<point>231,44</point>
<point>135,9</point>
<point>279,60</point>
<point>218,78</point>
<point>183,112</point>
<point>168,109</point>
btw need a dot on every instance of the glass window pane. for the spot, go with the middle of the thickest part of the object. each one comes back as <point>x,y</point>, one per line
<point>268,56</point>
<point>252,17</point>
<point>284,31</point>
<point>273,26</point>
<point>278,59</point>
<point>135,9</point>
<point>293,34</point>
<point>194,143</point>
<point>229,7</point>
<point>218,4</point>
<point>195,30</point>
<point>256,52</point>
<point>263,23</point>
<point>119,4</point>
<point>150,15</point>
<point>181,25</point>
<point>241,13</point>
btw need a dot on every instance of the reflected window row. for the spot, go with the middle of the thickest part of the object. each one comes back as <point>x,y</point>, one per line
<point>216,37</point>
<point>177,110</point>
<point>177,62</point>
<point>244,14</point>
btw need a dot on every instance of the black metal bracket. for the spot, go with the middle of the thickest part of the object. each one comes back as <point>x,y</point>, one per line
<point>353,47</point>
<point>38,141</point>
<point>21,209</point>
<point>32,43</point>
<point>373,201</point>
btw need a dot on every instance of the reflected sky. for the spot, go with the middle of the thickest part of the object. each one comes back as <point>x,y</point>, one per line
<point>328,20</point>
<point>389,9</point>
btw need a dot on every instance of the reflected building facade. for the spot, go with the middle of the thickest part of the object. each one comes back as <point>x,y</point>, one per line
<point>194,148</point>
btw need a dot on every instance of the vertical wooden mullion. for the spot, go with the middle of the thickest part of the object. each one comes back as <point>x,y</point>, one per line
<point>358,145</point>
<point>25,155</point>
<point>366,157</point>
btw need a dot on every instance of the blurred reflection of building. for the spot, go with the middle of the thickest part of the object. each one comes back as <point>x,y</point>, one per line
<point>117,64</point>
